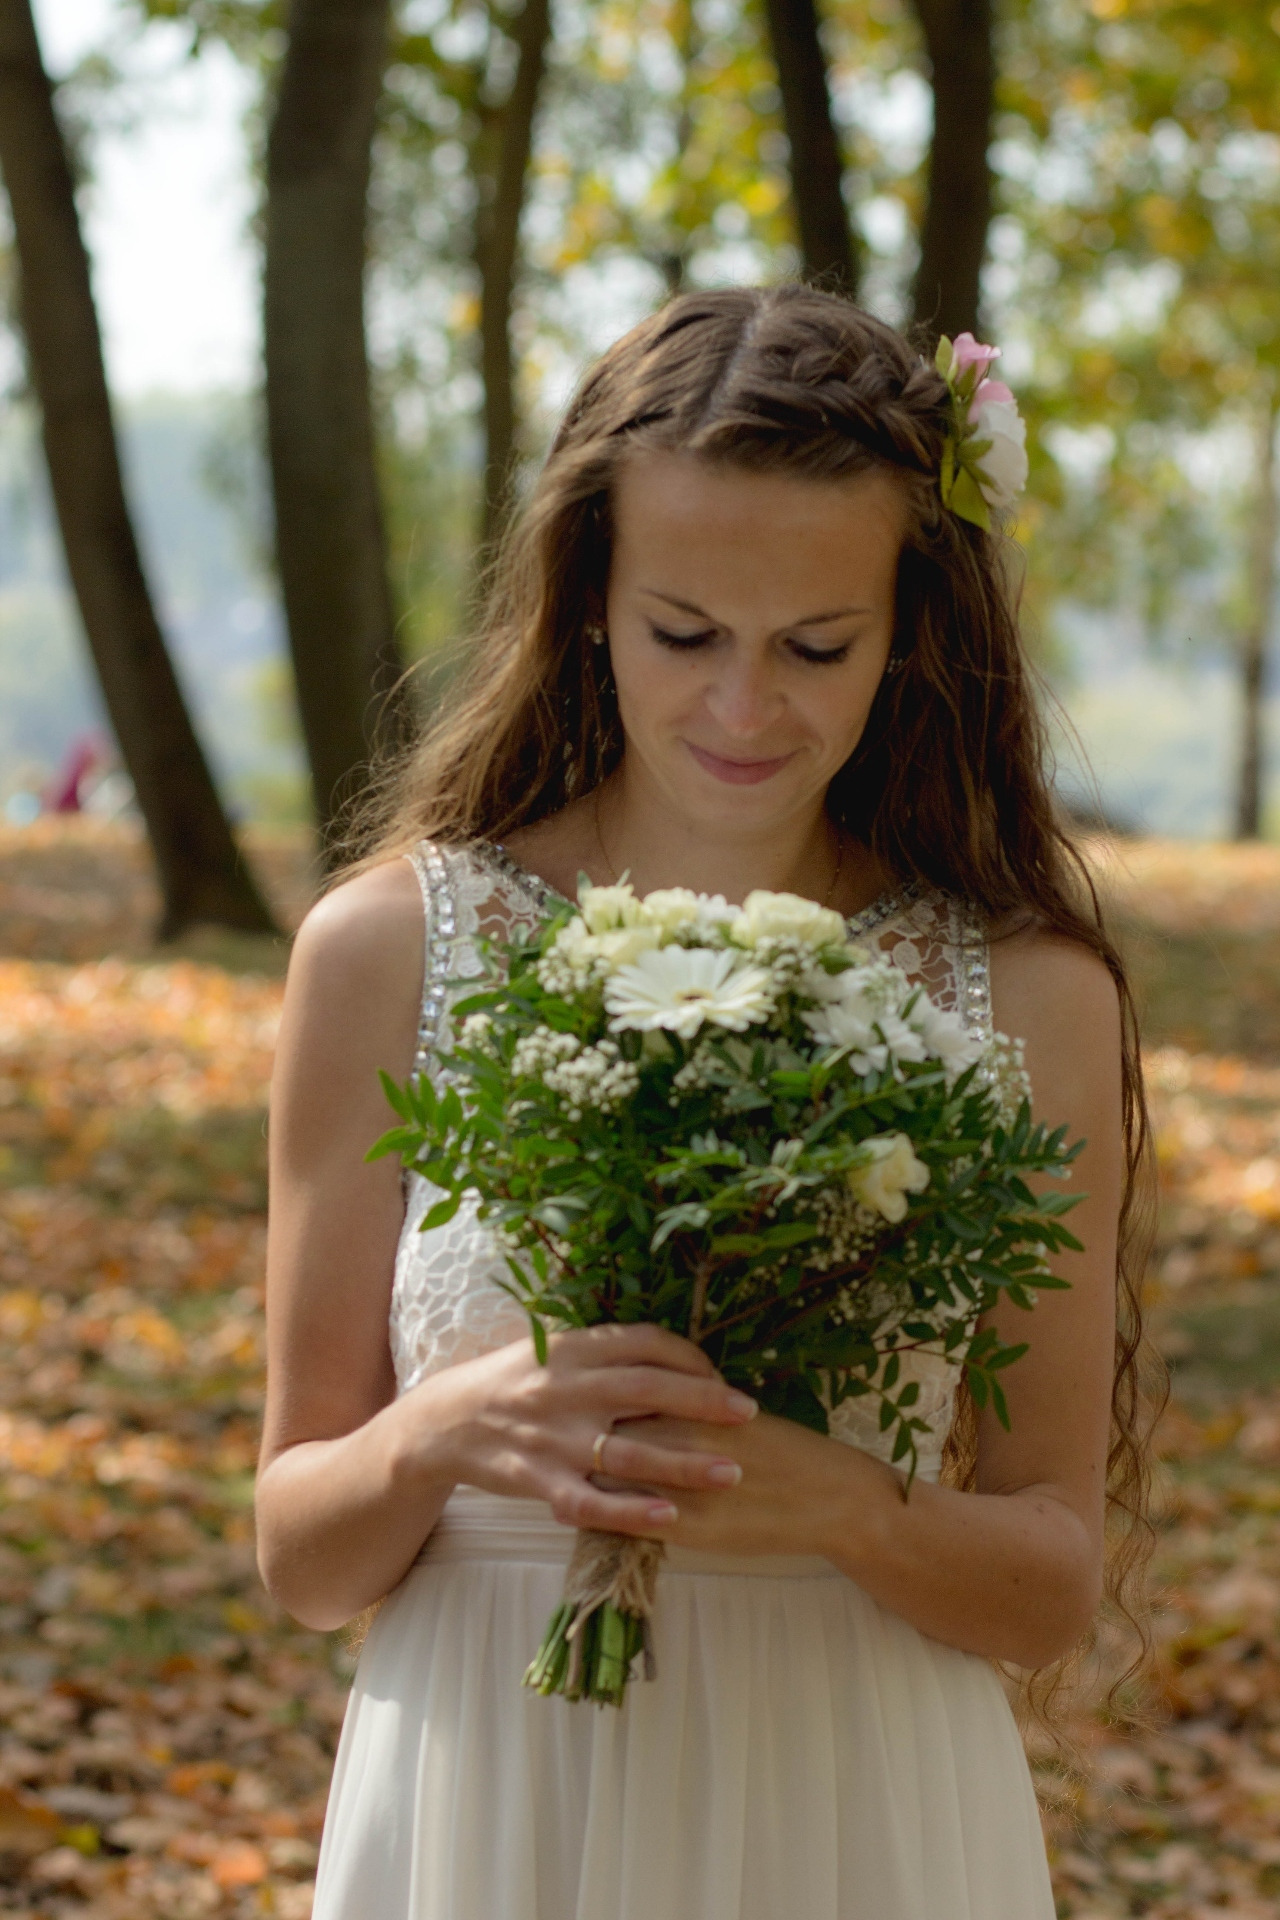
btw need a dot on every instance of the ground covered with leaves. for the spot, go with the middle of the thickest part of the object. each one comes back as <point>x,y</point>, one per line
<point>166,1735</point>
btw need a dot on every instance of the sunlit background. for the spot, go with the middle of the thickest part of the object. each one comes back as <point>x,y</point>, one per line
<point>1138,526</point>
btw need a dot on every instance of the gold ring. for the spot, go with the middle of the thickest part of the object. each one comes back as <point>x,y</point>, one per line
<point>597,1451</point>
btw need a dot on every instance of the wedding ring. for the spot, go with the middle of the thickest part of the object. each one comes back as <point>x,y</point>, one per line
<point>597,1451</point>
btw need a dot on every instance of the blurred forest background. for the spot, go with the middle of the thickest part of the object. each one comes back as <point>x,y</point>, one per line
<point>256,512</point>
<point>1123,178</point>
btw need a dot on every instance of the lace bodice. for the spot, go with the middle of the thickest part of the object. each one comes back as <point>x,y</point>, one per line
<point>446,1303</point>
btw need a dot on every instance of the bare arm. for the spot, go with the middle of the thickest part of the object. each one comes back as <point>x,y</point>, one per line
<point>1013,1570</point>
<point>351,1479</point>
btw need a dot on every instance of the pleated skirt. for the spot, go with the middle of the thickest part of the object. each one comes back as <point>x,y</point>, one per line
<point>802,1754</point>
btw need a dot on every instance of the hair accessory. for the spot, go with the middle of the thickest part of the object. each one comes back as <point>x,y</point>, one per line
<point>984,462</point>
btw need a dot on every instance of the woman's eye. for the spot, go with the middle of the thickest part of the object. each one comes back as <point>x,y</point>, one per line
<point>682,642</point>
<point>690,642</point>
<point>820,656</point>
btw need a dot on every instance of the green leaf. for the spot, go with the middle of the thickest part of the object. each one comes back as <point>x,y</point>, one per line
<point>539,1333</point>
<point>398,1097</point>
<point>442,1213</point>
<point>1000,1404</point>
<point>967,500</point>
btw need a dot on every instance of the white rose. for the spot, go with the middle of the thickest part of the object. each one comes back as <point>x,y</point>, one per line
<point>785,916</point>
<point>890,1174</point>
<point>624,945</point>
<point>586,953</point>
<point>574,944</point>
<point>676,910</point>
<point>605,908</point>
<point>1003,468</point>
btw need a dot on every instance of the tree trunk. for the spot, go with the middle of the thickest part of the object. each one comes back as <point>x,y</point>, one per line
<point>199,869</point>
<point>330,542</point>
<point>953,238</point>
<point>828,248</point>
<point>1262,588</point>
<point>501,200</point>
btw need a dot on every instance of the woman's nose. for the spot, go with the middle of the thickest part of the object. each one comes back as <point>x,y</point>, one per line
<point>744,698</point>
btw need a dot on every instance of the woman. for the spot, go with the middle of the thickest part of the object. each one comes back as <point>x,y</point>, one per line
<point>738,640</point>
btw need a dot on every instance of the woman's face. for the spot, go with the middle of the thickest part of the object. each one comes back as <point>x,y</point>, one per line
<point>750,620</point>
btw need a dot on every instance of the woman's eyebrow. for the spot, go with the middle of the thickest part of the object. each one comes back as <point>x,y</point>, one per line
<point>806,620</point>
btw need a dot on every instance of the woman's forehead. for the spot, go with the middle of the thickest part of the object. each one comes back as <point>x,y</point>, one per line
<point>686,513</point>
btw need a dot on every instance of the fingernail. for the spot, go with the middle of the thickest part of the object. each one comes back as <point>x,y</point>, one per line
<point>664,1512</point>
<point>743,1403</point>
<point>725,1473</point>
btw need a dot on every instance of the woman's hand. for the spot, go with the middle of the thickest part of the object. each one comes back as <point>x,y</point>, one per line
<point>513,1426</point>
<point>795,1484</point>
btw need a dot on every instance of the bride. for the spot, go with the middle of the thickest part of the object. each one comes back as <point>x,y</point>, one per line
<point>745,634</point>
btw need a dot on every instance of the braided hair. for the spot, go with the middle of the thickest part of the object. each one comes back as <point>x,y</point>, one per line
<point>949,783</point>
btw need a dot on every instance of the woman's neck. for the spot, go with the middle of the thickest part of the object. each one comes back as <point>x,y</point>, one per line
<point>637,834</point>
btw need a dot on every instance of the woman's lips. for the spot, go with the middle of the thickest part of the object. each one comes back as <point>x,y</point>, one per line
<point>737,773</point>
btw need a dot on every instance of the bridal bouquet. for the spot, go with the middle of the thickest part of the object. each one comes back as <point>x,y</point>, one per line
<point>734,1123</point>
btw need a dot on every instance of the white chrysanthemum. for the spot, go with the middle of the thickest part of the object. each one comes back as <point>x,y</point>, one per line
<point>902,1039</point>
<point>680,988</point>
<point>604,909</point>
<point>782,916</point>
<point>854,984</point>
<point>945,1036</point>
<point>890,1172</point>
<point>677,910</point>
<point>850,1026</point>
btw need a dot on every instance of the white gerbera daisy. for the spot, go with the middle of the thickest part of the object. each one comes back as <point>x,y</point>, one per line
<point>678,988</point>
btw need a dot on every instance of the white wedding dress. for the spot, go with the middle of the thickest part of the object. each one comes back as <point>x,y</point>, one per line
<point>803,1753</point>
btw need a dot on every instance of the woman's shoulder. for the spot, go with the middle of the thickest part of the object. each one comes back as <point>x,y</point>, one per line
<point>364,936</point>
<point>1058,995</point>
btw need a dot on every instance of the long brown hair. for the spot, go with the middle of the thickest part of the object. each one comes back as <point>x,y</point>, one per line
<point>948,783</point>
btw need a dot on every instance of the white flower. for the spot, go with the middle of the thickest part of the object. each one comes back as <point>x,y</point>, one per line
<point>604,909</point>
<point>678,988</point>
<point>783,916</point>
<point>623,945</point>
<point>945,1036</point>
<point>850,1027</point>
<point>1002,470</point>
<point>576,957</point>
<point>901,1038</point>
<point>676,910</point>
<point>891,1172</point>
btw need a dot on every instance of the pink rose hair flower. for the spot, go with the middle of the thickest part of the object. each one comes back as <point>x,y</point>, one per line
<point>984,463</point>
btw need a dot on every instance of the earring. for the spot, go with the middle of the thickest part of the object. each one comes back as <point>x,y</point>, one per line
<point>896,662</point>
<point>596,633</point>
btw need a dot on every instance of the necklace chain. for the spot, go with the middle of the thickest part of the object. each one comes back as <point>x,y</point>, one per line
<point>612,871</point>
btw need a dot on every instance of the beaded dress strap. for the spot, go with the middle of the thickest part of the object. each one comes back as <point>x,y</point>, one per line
<point>440,928</point>
<point>972,951</point>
